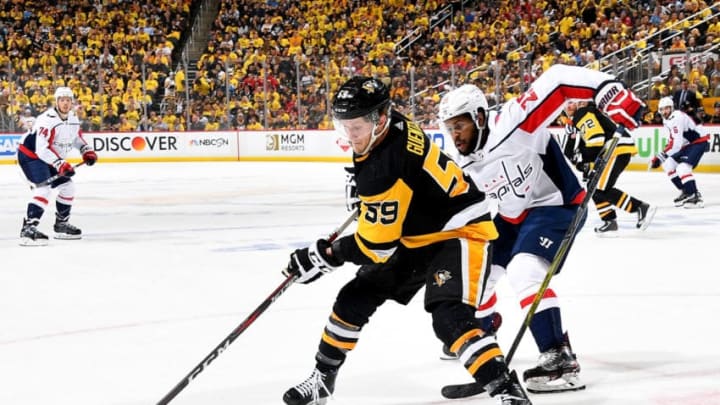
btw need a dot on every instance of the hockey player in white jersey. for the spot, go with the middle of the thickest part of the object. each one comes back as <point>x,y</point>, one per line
<point>512,157</point>
<point>686,146</point>
<point>41,154</point>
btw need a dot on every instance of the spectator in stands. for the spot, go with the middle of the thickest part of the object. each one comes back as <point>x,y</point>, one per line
<point>111,121</point>
<point>714,90</point>
<point>684,98</point>
<point>196,124</point>
<point>714,118</point>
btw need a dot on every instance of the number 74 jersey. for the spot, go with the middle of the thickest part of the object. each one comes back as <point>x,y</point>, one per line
<point>412,195</point>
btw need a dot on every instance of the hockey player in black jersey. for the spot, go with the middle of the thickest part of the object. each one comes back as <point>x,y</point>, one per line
<point>594,130</point>
<point>422,222</point>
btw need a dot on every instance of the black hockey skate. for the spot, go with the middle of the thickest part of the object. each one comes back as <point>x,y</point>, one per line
<point>29,234</point>
<point>64,230</point>
<point>313,391</point>
<point>682,198</point>
<point>695,201</point>
<point>557,371</point>
<point>645,215</point>
<point>607,229</point>
<point>508,389</point>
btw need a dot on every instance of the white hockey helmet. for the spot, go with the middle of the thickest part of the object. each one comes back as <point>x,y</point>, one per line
<point>665,102</point>
<point>466,99</point>
<point>63,92</point>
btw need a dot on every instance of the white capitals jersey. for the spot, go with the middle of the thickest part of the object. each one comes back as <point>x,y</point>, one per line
<point>683,132</point>
<point>51,137</point>
<point>521,165</point>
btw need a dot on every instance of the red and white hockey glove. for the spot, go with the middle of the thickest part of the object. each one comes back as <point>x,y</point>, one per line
<point>63,168</point>
<point>620,104</point>
<point>89,156</point>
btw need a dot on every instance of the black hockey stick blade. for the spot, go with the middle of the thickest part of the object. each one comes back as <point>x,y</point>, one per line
<point>457,391</point>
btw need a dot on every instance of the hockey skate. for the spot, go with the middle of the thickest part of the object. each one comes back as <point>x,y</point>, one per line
<point>490,324</point>
<point>682,198</point>
<point>30,236</point>
<point>313,391</point>
<point>695,201</point>
<point>508,389</point>
<point>557,371</point>
<point>645,215</point>
<point>64,230</point>
<point>608,229</point>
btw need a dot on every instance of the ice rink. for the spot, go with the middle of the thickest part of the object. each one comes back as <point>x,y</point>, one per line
<point>176,255</point>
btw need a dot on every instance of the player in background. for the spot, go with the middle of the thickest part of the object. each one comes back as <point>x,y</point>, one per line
<point>594,131</point>
<point>686,145</point>
<point>41,155</point>
<point>422,223</point>
<point>513,158</point>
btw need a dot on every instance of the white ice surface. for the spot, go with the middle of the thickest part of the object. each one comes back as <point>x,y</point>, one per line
<point>175,256</point>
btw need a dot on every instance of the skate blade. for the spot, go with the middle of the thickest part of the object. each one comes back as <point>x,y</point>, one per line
<point>693,206</point>
<point>33,242</point>
<point>608,234</point>
<point>65,236</point>
<point>546,386</point>
<point>648,218</point>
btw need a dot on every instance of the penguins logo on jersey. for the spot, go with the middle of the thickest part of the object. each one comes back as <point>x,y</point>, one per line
<point>441,277</point>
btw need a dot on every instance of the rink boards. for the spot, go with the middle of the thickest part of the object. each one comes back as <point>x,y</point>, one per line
<point>300,145</point>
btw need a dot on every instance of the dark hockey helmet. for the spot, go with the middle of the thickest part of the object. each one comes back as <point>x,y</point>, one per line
<point>359,97</point>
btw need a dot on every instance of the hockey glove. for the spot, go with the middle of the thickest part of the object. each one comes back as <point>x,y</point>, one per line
<point>63,168</point>
<point>577,157</point>
<point>89,156</point>
<point>585,169</point>
<point>311,262</point>
<point>352,200</point>
<point>620,104</point>
<point>658,160</point>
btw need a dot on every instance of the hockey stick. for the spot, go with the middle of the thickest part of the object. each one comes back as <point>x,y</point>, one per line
<point>225,343</point>
<point>457,391</point>
<point>57,176</point>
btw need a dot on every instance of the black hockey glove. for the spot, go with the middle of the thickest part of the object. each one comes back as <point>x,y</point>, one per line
<point>576,157</point>
<point>585,168</point>
<point>658,160</point>
<point>352,200</point>
<point>312,262</point>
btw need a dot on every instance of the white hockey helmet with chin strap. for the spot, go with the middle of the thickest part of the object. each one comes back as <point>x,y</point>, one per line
<point>466,99</point>
<point>63,92</point>
<point>665,102</point>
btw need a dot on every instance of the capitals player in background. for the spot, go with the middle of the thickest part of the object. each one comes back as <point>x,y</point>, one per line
<point>512,157</point>
<point>686,146</point>
<point>41,155</point>
<point>422,223</point>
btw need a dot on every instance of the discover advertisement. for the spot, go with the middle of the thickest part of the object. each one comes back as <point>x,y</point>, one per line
<point>301,145</point>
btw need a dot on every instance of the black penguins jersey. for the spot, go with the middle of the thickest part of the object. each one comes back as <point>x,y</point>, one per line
<point>412,194</point>
<point>595,129</point>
